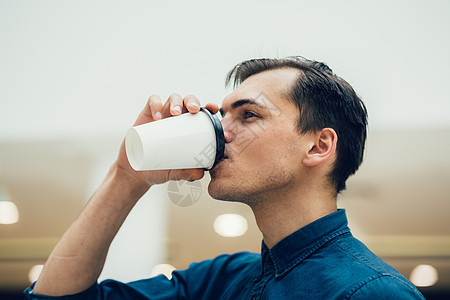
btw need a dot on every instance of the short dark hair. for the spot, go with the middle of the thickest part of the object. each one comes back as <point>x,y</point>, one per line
<point>324,100</point>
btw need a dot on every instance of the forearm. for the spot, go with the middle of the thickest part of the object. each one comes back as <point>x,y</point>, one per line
<point>78,258</point>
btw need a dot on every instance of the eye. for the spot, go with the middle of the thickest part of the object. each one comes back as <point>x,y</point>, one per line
<point>249,115</point>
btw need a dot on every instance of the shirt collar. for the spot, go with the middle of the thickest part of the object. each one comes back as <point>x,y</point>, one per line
<point>297,246</point>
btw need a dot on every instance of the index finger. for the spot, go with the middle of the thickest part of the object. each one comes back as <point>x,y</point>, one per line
<point>191,103</point>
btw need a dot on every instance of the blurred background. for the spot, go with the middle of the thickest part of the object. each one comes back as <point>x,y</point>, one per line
<point>75,74</point>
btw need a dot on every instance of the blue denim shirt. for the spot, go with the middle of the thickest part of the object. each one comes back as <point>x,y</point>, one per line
<point>319,261</point>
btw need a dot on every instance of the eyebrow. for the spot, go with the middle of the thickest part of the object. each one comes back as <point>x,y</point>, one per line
<point>242,102</point>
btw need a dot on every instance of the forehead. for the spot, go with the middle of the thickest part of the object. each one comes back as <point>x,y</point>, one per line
<point>274,84</point>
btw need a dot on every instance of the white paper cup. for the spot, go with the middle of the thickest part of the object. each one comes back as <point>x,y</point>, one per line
<point>182,142</point>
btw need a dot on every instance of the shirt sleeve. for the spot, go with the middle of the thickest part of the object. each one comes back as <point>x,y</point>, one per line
<point>384,287</point>
<point>207,277</point>
<point>159,287</point>
<point>87,294</point>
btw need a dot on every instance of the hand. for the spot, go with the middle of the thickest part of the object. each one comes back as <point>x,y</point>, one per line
<point>154,110</point>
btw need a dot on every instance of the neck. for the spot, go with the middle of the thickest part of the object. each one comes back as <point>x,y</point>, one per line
<point>279,216</point>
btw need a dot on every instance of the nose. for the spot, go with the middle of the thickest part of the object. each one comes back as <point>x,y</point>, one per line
<point>227,130</point>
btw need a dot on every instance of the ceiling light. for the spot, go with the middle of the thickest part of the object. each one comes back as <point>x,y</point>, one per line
<point>230,225</point>
<point>34,273</point>
<point>9,214</point>
<point>424,275</point>
<point>164,269</point>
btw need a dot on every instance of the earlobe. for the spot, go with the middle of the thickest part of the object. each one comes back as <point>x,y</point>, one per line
<point>322,147</point>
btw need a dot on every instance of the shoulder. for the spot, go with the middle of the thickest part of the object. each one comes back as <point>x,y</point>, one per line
<point>383,286</point>
<point>360,259</point>
<point>372,277</point>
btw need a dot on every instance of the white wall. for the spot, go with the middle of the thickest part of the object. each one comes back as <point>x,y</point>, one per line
<point>71,68</point>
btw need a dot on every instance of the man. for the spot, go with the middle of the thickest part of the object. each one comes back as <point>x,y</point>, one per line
<point>308,128</point>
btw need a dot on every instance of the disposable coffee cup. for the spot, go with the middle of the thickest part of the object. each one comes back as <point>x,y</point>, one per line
<point>182,142</point>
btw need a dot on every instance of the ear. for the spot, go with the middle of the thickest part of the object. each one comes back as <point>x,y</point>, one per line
<point>322,147</point>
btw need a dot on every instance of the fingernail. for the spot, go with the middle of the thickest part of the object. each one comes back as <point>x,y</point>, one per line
<point>195,104</point>
<point>158,115</point>
<point>177,109</point>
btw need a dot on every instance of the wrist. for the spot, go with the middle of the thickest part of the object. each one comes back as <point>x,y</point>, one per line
<point>128,182</point>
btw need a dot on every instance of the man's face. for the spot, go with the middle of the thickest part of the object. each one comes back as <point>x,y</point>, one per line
<point>263,148</point>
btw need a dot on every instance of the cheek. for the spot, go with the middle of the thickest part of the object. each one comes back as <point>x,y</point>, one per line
<point>274,148</point>
<point>260,151</point>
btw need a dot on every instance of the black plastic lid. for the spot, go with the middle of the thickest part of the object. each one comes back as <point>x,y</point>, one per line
<point>220,138</point>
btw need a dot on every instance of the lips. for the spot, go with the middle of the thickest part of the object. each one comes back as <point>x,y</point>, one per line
<point>218,163</point>
<point>225,156</point>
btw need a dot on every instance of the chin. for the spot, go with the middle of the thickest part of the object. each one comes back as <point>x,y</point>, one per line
<point>229,192</point>
<point>222,191</point>
<point>215,190</point>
